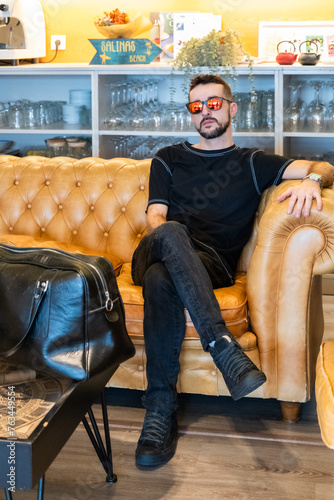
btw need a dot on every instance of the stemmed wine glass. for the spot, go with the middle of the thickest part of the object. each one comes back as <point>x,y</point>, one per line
<point>329,114</point>
<point>137,119</point>
<point>114,119</point>
<point>157,115</point>
<point>294,114</point>
<point>125,103</point>
<point>316,110</point>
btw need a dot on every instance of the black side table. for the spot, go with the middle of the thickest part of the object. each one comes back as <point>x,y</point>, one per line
<point>36,420</point>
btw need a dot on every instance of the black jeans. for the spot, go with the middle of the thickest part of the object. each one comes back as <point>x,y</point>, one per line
<point>175,272</point>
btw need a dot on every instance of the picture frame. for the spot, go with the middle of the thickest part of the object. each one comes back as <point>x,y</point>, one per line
<point>273,32</point>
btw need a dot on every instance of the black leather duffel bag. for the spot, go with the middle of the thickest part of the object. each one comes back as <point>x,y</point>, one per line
<point>60,313</point>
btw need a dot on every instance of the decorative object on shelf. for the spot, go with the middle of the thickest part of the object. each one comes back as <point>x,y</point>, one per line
<point>56,147</point>
<point>116,16</point>
<point>308,58</point>
<point>218,48</point>
<point>117,24</point>
<point>286,57</point>
<point>220,51</point>
<point>124,51</point>
<point>73,146</point>
<point>272,32</point>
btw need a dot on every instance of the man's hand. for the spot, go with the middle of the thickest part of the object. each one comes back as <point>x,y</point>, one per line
<point>301,197</point>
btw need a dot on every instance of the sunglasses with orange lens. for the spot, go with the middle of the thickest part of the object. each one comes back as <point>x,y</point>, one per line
<point>214,103</point>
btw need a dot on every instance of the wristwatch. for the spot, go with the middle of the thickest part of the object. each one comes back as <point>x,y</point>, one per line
<point>316,178</point>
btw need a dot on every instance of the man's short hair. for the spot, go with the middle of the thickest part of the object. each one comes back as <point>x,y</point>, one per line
<point>205,79</point>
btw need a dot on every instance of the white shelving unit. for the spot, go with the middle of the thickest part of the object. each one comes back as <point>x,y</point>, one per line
<point>305,142</point>
<point>54,81</point>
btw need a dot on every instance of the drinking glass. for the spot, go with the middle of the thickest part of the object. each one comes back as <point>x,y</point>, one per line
<point>249,112</point>
<point>268,111</point>
<point>171,118</point>
<point>118,146</point>
<point>316,110</point>
<point>237,120</point>
<point>16,116</point>
<point>3,115</point>
<point>31,115</point>
<point>183,119</point>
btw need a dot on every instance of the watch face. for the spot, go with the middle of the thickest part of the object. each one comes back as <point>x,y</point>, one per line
<point>315,177</point>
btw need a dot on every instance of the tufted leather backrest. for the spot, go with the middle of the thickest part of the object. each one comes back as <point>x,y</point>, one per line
<point>93,203</point>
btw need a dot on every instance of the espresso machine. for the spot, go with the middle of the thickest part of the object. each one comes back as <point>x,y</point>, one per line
<point>22,31</point>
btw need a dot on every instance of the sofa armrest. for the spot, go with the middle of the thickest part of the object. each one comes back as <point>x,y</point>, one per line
<point>284,292</point>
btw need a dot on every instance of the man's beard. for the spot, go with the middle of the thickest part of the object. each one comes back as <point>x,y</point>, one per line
<point>217,132</point>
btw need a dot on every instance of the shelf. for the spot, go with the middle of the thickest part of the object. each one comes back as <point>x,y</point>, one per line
<point>253,134</point>
<point>51,130</point>
<point>54,81</point>
<point>188,133</point>
<point>159,133</point>
<point>315,135</point>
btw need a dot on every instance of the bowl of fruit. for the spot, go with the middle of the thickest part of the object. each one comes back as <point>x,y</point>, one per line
<point>117,24</point>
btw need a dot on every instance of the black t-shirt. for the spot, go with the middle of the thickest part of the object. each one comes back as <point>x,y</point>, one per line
<point>214,193</point>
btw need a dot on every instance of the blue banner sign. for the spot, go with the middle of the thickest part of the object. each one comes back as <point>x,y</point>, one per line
<point>124,51</point>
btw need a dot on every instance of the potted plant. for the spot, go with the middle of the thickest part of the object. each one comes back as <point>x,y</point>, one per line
<point>220,51</point>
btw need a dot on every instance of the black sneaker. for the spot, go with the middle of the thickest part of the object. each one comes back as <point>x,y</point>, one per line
<point>157,442</point>
<point>241,375</point>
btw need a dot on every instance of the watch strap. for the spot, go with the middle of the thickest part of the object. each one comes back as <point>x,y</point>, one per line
<point>315,177</point>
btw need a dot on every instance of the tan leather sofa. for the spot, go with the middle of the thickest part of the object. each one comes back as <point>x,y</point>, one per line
<point>274,310</point>
<point>324,391</point>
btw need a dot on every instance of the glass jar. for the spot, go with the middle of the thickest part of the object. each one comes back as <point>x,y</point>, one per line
<point>77,149</point>
<point>56,147</point>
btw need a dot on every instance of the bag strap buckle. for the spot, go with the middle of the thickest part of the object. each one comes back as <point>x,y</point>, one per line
<point>42,286</point>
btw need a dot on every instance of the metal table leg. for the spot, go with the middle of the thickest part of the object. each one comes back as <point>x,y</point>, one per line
<point>103,451</point>
<point>40,492</point>
<point>8,494</point>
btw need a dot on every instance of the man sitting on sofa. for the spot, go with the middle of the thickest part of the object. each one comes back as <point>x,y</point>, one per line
<point>202,203</point>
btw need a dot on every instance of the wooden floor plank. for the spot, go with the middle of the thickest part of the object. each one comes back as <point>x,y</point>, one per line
<point>226,450</point>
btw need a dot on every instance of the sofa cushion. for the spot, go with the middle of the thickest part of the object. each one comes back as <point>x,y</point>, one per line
<point>324,390</point>
<point>232,301</point>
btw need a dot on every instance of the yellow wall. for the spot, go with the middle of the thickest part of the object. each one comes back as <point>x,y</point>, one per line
<point>75,18</point>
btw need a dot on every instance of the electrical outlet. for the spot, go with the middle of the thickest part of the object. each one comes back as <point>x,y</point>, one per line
<point>61,38</point>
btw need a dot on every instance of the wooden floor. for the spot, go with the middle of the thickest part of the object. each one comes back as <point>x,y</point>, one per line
<point>226,450</point>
